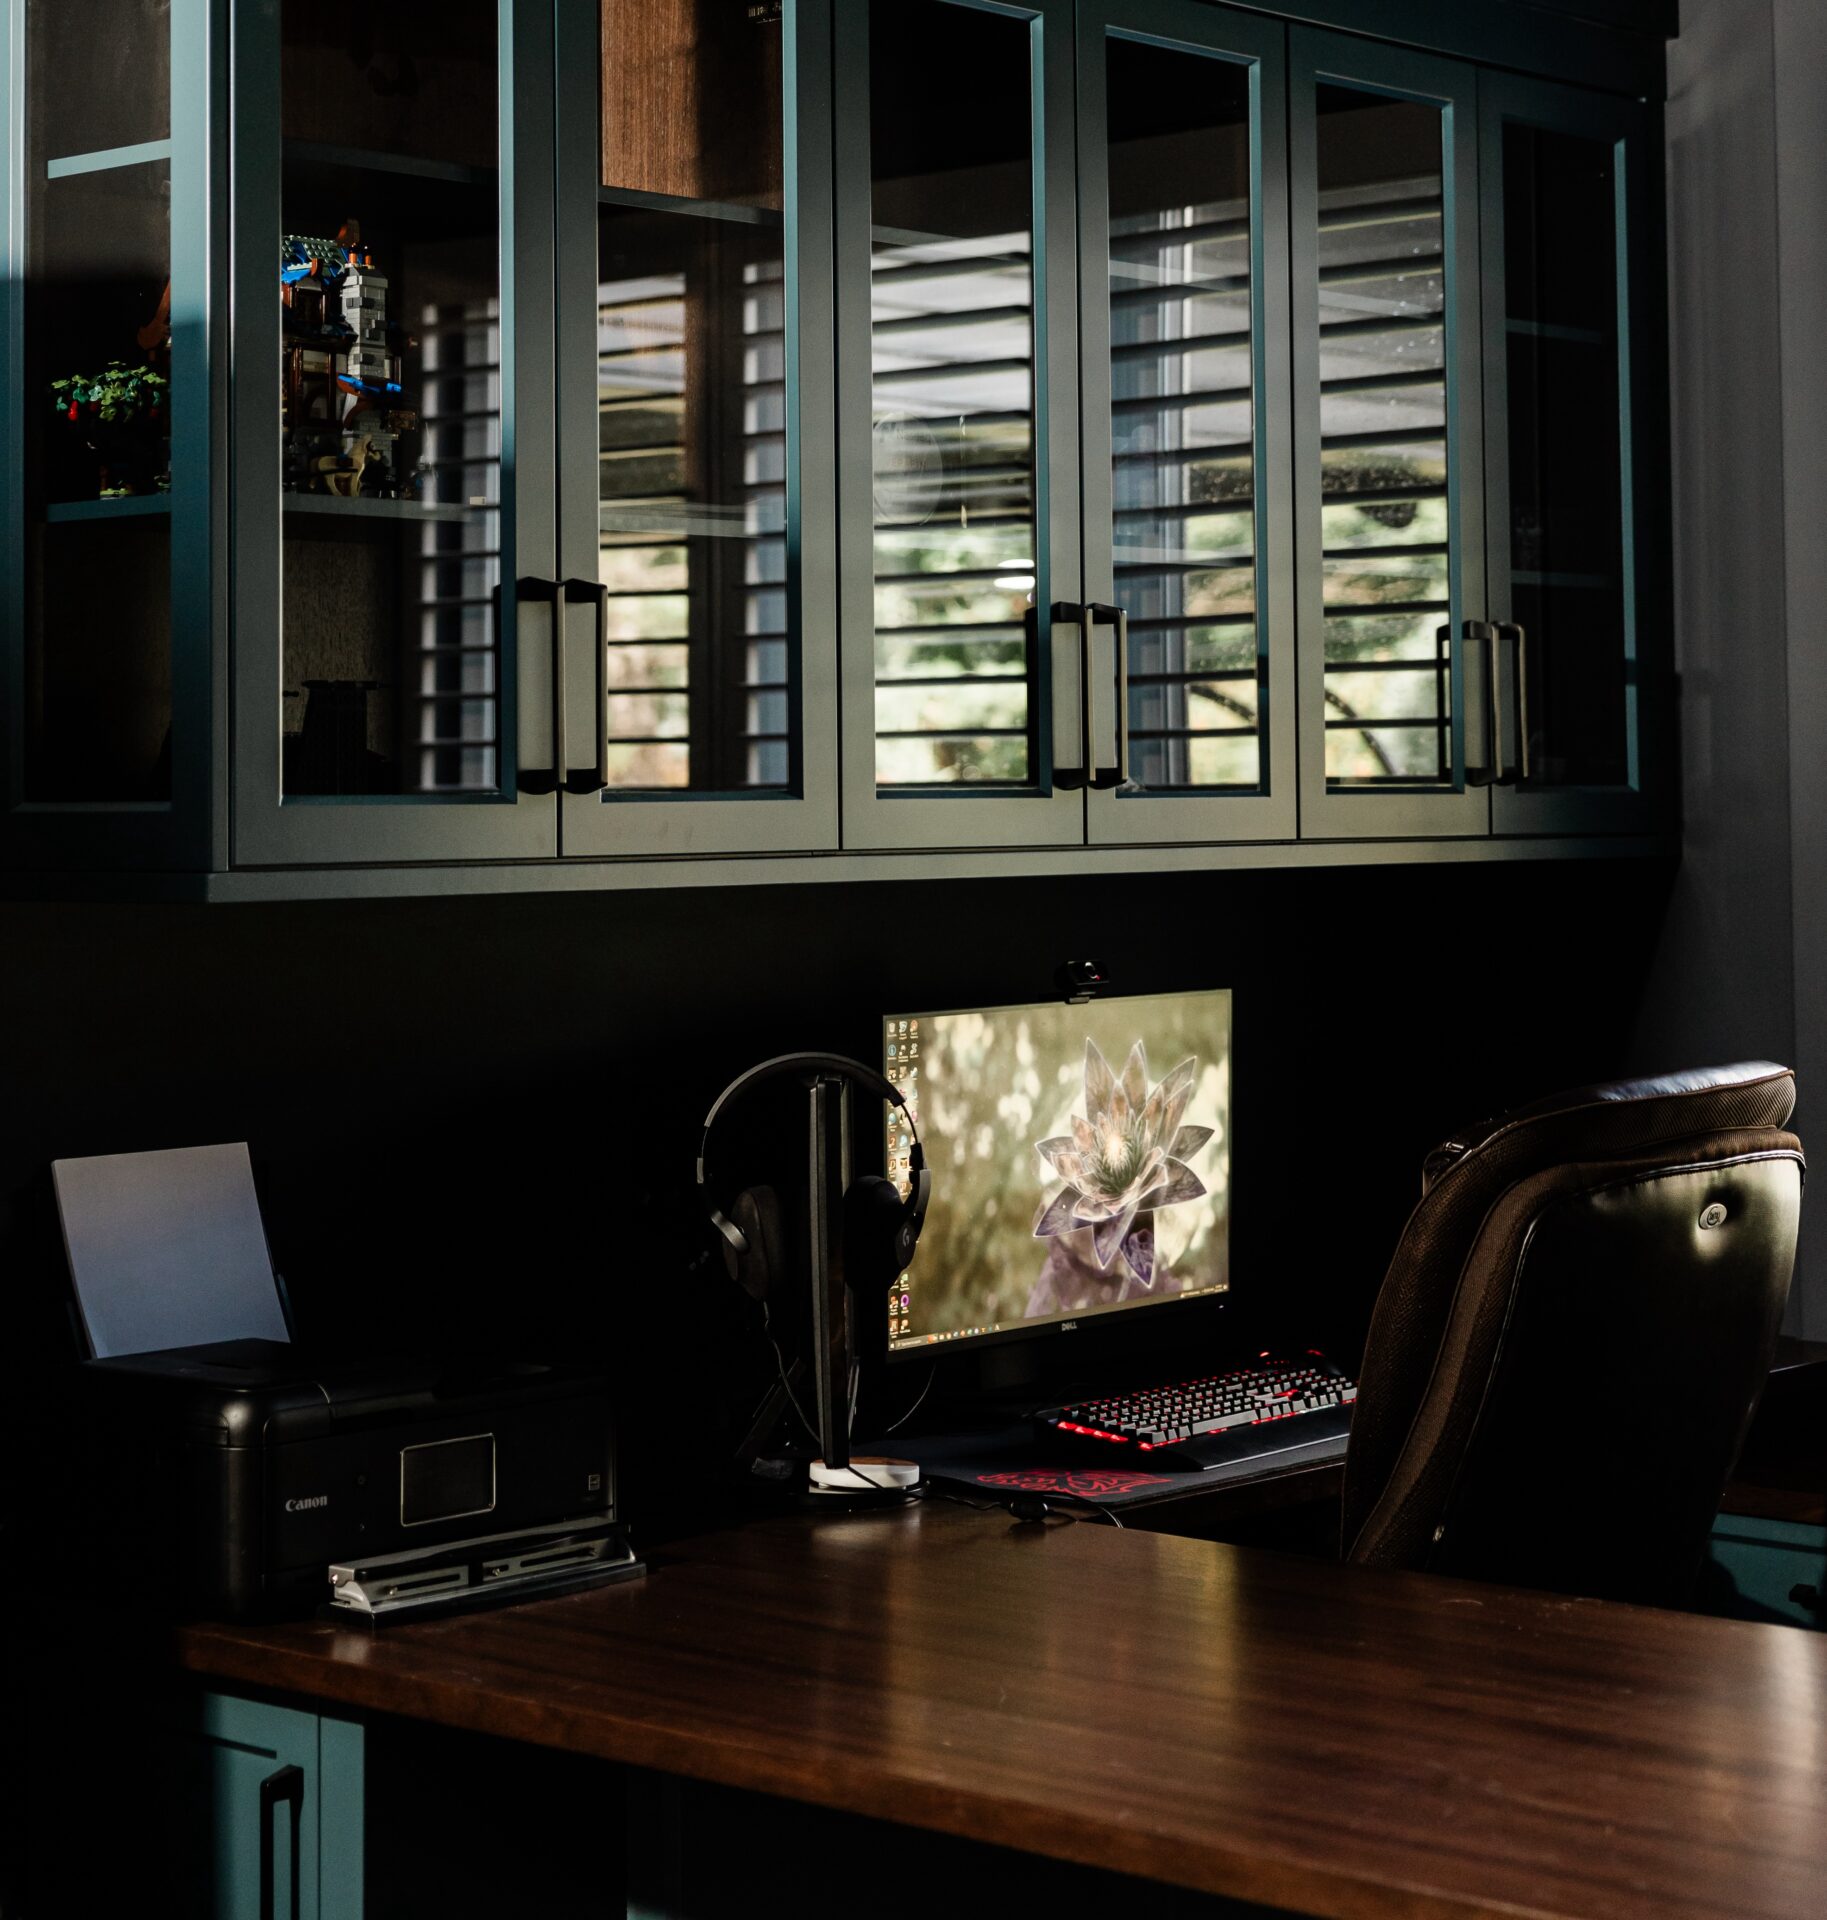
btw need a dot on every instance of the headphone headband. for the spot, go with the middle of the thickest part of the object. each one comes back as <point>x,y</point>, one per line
<point>892,1234</point>
<point>784,1063</point>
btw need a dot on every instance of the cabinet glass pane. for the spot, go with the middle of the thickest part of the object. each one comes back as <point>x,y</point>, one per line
<point>692,401</point>
<point>1566,468</point>
<point>952,300</point>
<point>96,545</point>
<point>1182,414</point>
<point>1385,535</point>
<point>390,391</point>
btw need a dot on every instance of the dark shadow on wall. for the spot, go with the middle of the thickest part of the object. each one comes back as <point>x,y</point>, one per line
<point>475,1118</point>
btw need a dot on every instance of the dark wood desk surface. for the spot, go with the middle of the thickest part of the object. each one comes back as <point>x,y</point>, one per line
<point>1330,1740</point>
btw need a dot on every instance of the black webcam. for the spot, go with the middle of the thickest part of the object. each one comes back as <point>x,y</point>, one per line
<point>1082,980</point>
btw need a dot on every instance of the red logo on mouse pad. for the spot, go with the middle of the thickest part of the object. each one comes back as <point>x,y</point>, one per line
<point>1089,1484</point>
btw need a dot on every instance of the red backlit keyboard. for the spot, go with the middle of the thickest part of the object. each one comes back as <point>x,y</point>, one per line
<point>1273,1406</point>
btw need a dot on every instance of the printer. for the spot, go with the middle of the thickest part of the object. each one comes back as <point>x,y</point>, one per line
<point>217,1467</point>
<point>243,1472</point>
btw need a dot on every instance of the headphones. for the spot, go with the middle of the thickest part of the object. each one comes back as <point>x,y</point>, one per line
<point>880,1228</point>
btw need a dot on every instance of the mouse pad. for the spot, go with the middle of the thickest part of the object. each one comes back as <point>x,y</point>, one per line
<point>1010,1459</point>
<point>1006,1460</point>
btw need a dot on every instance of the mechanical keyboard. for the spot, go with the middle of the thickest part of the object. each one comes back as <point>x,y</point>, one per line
<point>1273,1406</point>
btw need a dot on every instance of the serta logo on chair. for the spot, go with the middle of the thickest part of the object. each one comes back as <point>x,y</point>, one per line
<point>305,1506</point>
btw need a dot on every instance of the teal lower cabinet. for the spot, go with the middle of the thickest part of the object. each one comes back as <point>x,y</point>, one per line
<point>273,1807</point>
<point>1768,1570</point>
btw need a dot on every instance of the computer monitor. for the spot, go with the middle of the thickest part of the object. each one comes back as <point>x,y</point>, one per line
<point>1080,1157</point>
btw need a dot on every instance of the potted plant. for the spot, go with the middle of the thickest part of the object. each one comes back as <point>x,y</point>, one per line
<point>122,416</point>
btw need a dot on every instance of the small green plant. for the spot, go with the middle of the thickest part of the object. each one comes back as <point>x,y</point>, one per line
<point>122,417</point>
<point>116,395</point>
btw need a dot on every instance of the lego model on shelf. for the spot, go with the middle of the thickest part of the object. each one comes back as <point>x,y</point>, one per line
<point>342,414</point>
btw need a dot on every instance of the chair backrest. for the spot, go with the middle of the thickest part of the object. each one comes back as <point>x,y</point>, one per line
<point>1572,1335</point>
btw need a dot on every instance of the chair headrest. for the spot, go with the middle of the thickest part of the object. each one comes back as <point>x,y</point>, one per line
<point>1753,1093</point>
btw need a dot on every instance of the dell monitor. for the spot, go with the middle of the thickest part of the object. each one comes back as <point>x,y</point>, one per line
<point>1080,1156</point>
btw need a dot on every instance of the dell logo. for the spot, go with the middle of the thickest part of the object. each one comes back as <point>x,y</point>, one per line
<point>1068,1326</point>
<point>305,1506</point>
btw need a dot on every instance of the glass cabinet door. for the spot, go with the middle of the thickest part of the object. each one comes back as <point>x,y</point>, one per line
<point>1569,188</point>
<point>106,425</point>
<point>394,600</point>
<point>698,534</point>
<point>1387,441</point>
<point>1188,514</point>
<point>957,417</point>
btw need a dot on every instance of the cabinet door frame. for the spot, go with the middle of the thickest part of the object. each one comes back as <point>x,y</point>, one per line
<point>1633,132</point>
<point>1040,814</point>
<point>1462,808</point>
<point>242,1743</point>
<point>269,828</point>
<point>174,833</point>
<point>802,818</point>
<point>1270,811</point>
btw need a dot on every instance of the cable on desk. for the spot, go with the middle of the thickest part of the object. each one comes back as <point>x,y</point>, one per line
<point>1016,1502</point>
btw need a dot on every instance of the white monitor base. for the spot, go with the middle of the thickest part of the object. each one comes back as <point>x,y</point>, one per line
<point>866,1473</point>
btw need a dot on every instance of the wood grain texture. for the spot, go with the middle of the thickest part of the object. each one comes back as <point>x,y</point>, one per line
<point>691,99</point>
<point>1337,1741</point>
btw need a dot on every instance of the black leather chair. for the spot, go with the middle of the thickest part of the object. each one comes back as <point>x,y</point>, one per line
<point>1572,1334</point>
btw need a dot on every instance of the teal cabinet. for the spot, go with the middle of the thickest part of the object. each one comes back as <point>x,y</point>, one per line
<point>1389,449</point>
<point>271,1809</point>
<point>1575,401</point>
<point>1770,1568</point>
<point>1255,439</point>
<point>889,432</point>
<point>113,375</point>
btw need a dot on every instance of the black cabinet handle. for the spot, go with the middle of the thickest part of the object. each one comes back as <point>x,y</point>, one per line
<point>1491,774</point>
<point>1509,630</point>
<point>545,779</point>
<point>1102,614</point>
<point>1071,779</point>
<point>596,780</point>
<point>286,1785</point>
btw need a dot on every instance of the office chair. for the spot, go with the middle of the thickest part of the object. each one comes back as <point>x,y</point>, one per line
<point>1572,1335</point>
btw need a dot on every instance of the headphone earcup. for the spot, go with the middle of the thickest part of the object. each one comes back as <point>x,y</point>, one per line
<point>755,1214</point>
<point>876,1237</point>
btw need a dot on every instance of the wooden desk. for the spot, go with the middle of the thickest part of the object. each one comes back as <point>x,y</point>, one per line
<point>1330,1740</point>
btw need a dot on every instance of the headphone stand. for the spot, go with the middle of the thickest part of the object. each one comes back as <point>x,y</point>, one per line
<point>831,1342</point>
<point>833,1479</point>
<point>892,1218</point>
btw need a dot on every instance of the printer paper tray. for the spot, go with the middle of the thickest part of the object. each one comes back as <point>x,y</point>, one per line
<point>461,1576</point>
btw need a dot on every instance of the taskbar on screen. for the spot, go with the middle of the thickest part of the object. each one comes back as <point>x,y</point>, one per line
<point>909,1343</point>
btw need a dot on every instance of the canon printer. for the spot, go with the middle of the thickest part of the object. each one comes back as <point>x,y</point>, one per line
<point>246,1472</point>
<point>219,1468</point>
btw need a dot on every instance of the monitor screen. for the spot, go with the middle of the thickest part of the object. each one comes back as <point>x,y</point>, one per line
<point>1080,1158</point>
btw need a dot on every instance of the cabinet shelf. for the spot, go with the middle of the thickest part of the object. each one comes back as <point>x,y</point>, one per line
<point>1589,582</point>
<point>360,509</point>
<point>132,506</point>
<point>636,200</point>
<point>1549,330</point>
<point>107,159</point>
<point>317,153</point>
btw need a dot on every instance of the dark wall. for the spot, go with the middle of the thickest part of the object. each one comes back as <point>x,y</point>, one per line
<point>479,1115</point>
<point>1661,17</point>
